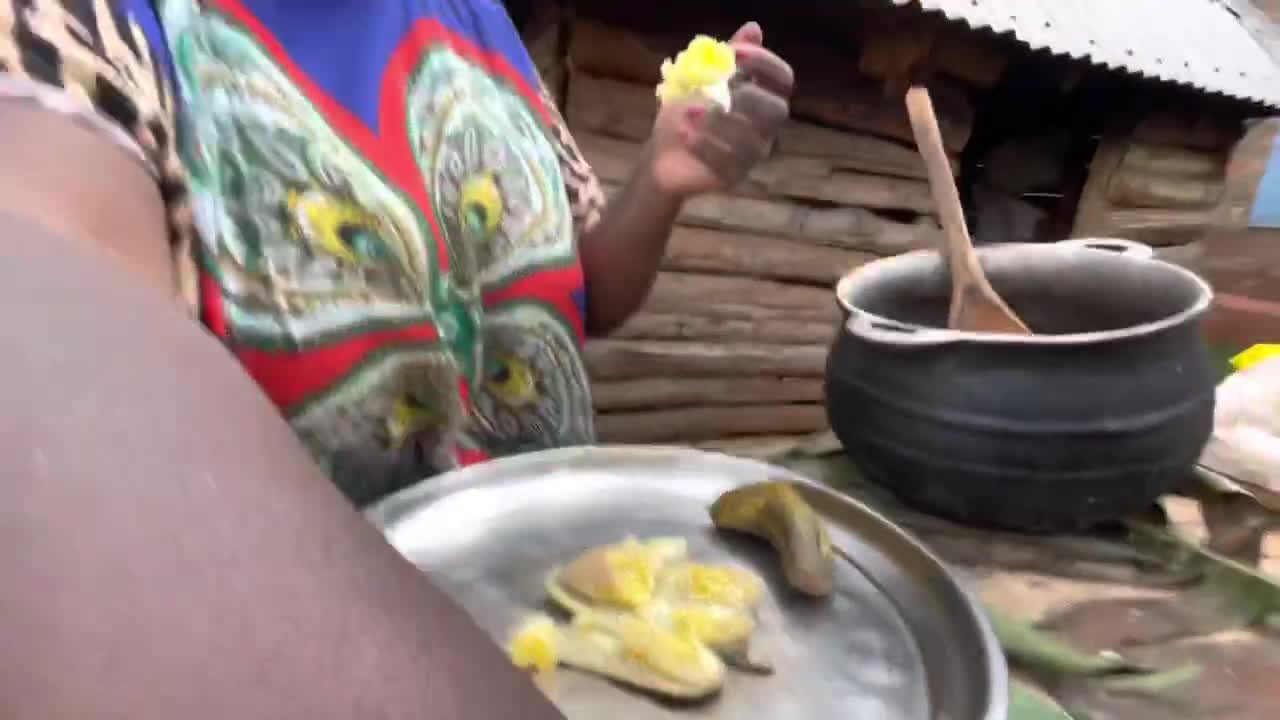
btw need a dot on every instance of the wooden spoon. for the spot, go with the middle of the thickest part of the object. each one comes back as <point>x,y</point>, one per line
<point>975,306</point>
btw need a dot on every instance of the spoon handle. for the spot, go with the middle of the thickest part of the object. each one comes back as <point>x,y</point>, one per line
<point>975,306</point>
<point>924,125</point>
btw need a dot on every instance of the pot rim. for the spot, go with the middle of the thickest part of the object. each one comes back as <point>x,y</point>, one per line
<point>877,328</point>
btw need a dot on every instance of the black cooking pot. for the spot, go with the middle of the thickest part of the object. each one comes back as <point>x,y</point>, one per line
<point>1106,408</point>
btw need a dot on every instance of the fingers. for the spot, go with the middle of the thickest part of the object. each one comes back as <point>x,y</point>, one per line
<point>724,161</point>
<point>737,131</point>
<point>764,110</point>
<point>749,34</point>
<point>729,144</point>
<point>763,67</point>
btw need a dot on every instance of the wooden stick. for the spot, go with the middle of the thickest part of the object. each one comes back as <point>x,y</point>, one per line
<point>974,303</point>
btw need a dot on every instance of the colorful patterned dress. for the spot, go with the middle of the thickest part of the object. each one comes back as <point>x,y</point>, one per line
<point>374,205</point>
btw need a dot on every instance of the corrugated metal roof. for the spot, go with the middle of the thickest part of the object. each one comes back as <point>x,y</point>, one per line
<point>1199,43</point>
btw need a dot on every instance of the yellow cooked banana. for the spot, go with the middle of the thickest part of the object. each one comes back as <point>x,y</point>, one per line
<point>636,649</point>
<point>779,514</point>
<point>624,574</point>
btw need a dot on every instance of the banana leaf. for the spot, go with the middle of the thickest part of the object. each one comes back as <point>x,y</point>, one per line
<point>1245,596</point>
<point>1156,684</point>
<point>1044,652</point>
<point>1028,702</point>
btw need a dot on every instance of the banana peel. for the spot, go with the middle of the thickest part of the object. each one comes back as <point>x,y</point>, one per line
<point>777,513</point>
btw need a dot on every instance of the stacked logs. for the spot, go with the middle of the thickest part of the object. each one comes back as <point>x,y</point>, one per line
<point>733,340</point>
<point>1164,181</point>
<point>734,337</point>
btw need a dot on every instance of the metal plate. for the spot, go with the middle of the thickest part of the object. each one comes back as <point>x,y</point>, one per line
<point>899,639</point>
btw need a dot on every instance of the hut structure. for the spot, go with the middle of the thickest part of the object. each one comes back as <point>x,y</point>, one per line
<point>1091,118</point>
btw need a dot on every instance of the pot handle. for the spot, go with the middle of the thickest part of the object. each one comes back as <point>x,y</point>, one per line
<point>1116,245</point>
<point>889,332</point>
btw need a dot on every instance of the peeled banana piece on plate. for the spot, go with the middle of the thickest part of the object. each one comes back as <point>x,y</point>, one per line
<point>622,575</point>
<point>644,615</point>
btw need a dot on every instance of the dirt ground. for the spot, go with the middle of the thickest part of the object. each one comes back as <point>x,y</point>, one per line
<point>1092,598</point>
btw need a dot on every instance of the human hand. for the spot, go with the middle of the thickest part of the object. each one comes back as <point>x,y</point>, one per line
<point>698,147</point>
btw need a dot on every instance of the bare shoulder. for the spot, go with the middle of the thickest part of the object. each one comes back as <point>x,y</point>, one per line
<point>74,183</point>
<point>87,131</point>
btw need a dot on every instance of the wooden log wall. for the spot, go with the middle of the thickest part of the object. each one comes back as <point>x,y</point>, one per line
<point>1164,182</point>
<point>733,339</point>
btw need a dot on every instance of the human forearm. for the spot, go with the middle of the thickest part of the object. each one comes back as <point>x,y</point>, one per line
<point>172,551</point>
<point>621,253</point>
<point>694,148</point>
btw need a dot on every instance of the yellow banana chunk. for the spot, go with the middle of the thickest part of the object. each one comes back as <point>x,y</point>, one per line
<point>703,69</point>
<point>624,574</point>
<point>778,513</point>
<point>1253,355</point>
<point>645,616</point>
<point>715,605</point>
<point>725,630</point>
<point>716,626</point>
<point>726,585</point>
<point>535,645</point>
<point>637,652</point>
<point>679,657</point>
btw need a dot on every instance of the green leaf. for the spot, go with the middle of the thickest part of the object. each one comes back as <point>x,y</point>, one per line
<point>1027,702</point>
<point>1044,652</point>
<point>1156,684</point>
<point>1245,596</point>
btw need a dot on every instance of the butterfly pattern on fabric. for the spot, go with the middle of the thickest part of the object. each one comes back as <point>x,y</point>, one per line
<point>414,282</point>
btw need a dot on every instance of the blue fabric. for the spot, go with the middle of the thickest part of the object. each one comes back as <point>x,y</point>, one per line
<point>364,34</point>
<point>579,297</point>
<point>143,12</point>
<point>1266,207</point>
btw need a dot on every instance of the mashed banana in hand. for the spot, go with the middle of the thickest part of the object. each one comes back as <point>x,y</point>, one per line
<point>645,615</point>
<point>702,70</point>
